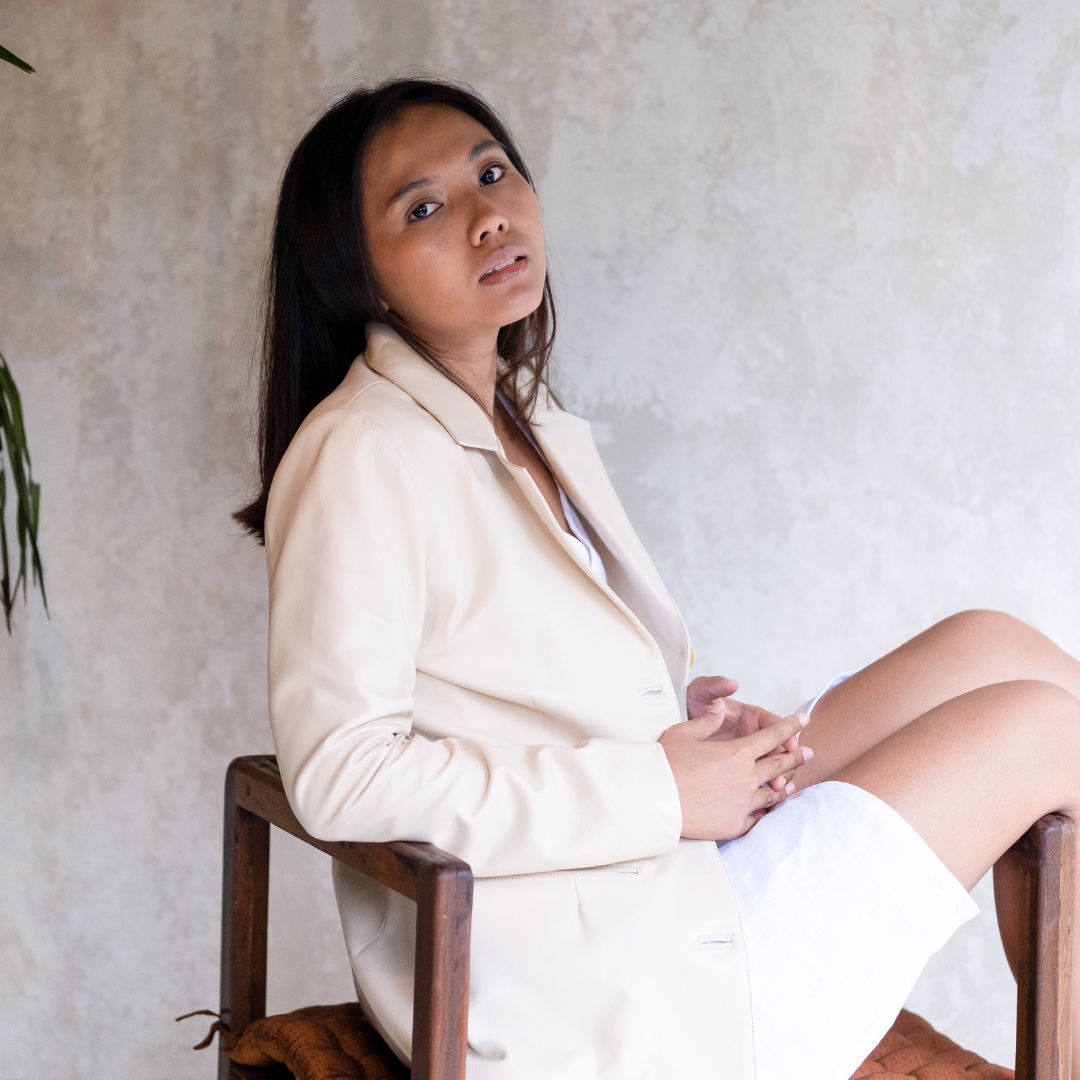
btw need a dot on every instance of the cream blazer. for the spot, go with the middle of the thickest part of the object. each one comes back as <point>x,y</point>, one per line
<point>443,668</point>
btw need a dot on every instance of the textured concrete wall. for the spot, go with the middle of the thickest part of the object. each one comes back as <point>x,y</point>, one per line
<point>817,272</point>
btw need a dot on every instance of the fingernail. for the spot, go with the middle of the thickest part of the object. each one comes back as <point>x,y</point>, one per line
<point>804,718</point>
<point>807,753</point>
<point>790,787</point>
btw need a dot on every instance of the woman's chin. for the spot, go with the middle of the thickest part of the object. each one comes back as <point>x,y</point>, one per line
<point>512,309</point>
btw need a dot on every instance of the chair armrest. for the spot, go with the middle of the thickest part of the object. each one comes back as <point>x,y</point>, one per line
<point>402,865</point>
<point>440,883</point>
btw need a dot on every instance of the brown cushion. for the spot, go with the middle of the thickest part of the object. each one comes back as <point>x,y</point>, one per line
<point>319,1042</point>
<point>336,1042</point>
<point>911,1047</point>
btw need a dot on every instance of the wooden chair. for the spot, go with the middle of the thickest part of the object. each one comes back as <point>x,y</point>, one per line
<point>441,885</point>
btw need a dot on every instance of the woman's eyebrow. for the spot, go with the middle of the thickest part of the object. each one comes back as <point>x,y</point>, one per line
<point>473,154</point>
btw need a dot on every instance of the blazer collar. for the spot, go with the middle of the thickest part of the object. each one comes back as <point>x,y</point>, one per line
<point>392,357</point>
<point>568,445</point>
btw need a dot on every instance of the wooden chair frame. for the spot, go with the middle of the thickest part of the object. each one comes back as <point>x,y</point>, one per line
<point>441,885</point>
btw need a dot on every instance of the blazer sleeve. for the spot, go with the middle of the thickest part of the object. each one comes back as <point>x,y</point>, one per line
<point>346,538</point>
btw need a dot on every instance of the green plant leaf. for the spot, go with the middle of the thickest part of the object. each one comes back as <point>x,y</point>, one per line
<point>6,596</point>
<point>11,58</point>
<point>27,498</point>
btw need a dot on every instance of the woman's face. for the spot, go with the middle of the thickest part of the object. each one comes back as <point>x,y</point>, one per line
<point>431,241</point>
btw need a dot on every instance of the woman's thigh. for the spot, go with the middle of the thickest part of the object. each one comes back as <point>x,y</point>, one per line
<point>963,652</point>
<point>973,773</point>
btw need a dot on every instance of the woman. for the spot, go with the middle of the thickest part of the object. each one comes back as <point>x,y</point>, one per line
<point>468,645</point>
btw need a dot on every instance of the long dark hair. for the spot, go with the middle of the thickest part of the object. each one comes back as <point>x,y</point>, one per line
<point>319,286</point>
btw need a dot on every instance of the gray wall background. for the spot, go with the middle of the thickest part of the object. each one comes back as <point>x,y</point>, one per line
<point>817,266</point>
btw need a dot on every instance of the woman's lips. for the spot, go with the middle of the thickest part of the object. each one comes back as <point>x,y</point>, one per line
<point>507,272</point>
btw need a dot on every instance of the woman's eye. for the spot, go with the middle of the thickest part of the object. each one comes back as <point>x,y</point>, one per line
<point>414,214</point>
<point>420,217</point>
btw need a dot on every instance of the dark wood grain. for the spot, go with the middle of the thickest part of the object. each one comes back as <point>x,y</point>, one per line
<point>1043,1000</point>
<point>245,882</point>
<point>440,883</point>
<point>399,864</point>
<point>443,927</point>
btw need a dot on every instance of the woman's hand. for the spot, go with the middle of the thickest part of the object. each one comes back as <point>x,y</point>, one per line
<point>709,695</point>
<point>706,692</point>
<point>721,783</point>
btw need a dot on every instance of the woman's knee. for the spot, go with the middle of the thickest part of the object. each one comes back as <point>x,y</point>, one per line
<point>1035,721</point>
<point>986,624</point>
<point>998,646</point>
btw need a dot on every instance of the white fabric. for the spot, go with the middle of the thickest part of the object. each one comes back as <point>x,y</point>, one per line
<point>841,903</point>
<point>582,544</point>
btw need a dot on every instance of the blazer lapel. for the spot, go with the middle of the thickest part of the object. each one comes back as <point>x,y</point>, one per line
<point>571,451</point>
<point>634,584</point>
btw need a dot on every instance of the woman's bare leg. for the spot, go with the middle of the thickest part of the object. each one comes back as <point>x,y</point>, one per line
<point>966,651</point>
<point>973,773</point>
<point>963,652</point>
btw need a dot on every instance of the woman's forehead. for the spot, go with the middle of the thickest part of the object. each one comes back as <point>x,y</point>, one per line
<point>421,142</point>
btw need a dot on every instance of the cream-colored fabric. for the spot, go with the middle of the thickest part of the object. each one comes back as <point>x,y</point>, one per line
<point>580,541</point>
<point>443,668</point>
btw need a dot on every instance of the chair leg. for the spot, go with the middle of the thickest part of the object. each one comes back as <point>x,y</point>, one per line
<point>1043,1003</point>
<point>441,998</point>
<point>245,896</point>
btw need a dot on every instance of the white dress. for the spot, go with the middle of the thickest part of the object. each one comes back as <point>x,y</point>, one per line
<point>841,905</point>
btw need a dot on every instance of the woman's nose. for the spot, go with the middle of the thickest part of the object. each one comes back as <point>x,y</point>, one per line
<point>487,218</point>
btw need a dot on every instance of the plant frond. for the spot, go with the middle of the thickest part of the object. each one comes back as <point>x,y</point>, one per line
<point>27,498</point>
<point>11,58</point>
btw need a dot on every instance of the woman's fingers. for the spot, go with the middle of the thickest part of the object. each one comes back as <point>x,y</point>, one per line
<point>753,818</point>
<point>765,740</point>
<point>781,781</point>
<point>791,743</point>
<point>773,765</point>
<point>763,799</point>
<point>726,789</point>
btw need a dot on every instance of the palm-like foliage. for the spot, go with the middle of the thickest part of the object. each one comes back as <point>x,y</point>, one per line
<point>27,497</point>
<point>11,58</point>
<point>27,493</point>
